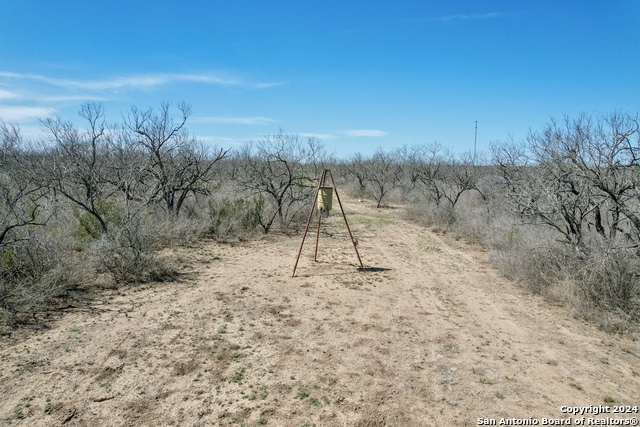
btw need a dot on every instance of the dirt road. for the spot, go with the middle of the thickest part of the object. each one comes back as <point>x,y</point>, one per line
<point>430,336</point>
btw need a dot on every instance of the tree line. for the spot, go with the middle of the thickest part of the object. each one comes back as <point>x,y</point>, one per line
<point>115,193</point>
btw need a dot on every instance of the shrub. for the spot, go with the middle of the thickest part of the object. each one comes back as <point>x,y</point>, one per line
<point>34,275</point>
<point>280,169</point>
<point>234,217</point>
<point>429,215</point>
<point>608,280</point>
<point>129,253</point>
<point>90,227</point>
<point>538,268</point>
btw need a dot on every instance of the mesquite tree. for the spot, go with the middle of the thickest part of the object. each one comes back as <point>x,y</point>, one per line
<point>443,177</point>
<point>280,169</point>
<point>22,197</point>
<point>76,164</point>
<point>380,173</point>
<point>577,174</point>
<point>178,165</point>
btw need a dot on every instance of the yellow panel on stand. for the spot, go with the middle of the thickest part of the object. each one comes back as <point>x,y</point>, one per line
<point>325,196</point>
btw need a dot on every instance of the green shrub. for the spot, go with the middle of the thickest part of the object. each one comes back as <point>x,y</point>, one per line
<point>90,228</point>
<point>234,218</point>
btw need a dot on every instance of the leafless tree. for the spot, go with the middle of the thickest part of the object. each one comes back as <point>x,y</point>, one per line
<point>22,199</point>
<point>281,169</point>
<point>76,164</point>
<point>379,174</point>
<point>461,175</point>
<point>385,173</point>
<point>425,168</point>
<point>179,165</point>
<point>605,152</point>
<point>581,177</point>
<point>357,168</point>
<point>128,172</point>
<point>576,174</point>
<point>441,176</point>
<point>544,193</point>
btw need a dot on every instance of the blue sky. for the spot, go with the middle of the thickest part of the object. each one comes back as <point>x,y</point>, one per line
<point>358,74</point>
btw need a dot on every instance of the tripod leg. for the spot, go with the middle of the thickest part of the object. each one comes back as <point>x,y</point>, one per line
<point>306,229</point>
<point>315,257</point>
<point>347,224</point>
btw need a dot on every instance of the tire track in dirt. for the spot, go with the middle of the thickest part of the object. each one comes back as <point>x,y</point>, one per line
<point>511,341</point>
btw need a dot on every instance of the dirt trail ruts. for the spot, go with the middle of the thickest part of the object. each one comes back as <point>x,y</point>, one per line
<point>431,335</point>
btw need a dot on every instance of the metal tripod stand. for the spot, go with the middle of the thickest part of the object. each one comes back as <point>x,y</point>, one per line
<point>321,183</point>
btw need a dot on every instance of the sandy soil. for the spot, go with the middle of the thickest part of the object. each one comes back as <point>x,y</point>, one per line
<point>431,335</point>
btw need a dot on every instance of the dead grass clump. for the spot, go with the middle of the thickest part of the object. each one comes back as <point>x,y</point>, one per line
<point>537,267</point>
<point>372,418</point>
<point>429,215</point>
<point>608,282</point>
<point>602,285</point>
<point>35,274</point>
<point>185,368</point>
<point>129,253</point>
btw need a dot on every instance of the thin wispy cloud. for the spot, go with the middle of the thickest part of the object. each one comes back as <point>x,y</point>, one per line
<point>322,136</point>
<point>375,133</point>
<point>5,94</point>
<point>266,85</point>
<point>471,17</point>
<point>30,130</point>
<point>461,17</point>
<point>220,140</point>
<point>252,120</point>
<point>68,98</point>
<point>141,81</point>
<point>18,113</point>
<point>29,96</point>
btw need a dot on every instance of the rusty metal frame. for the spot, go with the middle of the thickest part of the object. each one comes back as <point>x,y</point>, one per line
<point>321,183</point>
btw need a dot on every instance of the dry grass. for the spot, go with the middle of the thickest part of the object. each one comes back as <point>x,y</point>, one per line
<point>428,337</point>
<point>600,283</point>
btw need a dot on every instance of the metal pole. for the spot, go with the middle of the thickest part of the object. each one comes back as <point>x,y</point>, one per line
<point>313,205</point>
<point>323,177</point>
<point>475,141</point>
<point>315,257</point>
<point>335,189</point>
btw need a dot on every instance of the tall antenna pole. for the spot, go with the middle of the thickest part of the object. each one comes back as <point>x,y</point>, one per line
<point>475,142</point>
